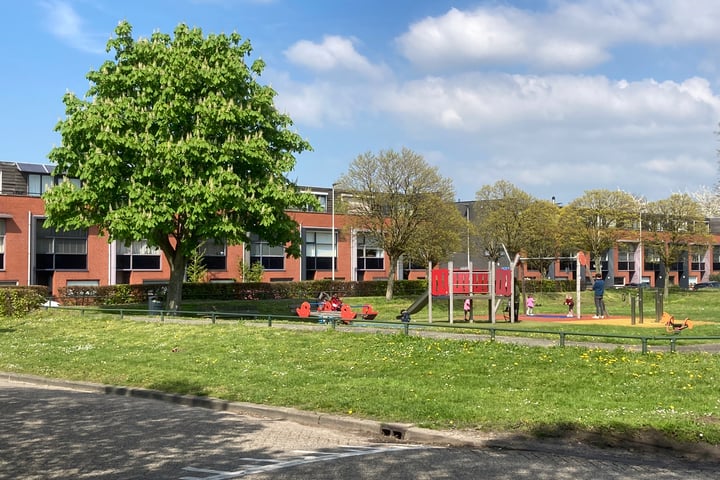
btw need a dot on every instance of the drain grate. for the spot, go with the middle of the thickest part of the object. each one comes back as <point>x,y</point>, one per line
<point>393,432</point>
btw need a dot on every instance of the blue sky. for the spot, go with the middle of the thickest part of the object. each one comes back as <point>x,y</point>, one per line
<point>557,97</point>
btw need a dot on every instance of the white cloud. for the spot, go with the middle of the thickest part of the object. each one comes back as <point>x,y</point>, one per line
<point>491,101</point>
<point>317,104</point>
<point>334,54</point>
<point>573,35</point>
<point>64,22</point>
<point>549,134</point>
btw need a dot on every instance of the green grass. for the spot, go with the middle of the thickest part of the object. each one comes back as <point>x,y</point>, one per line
<point>430,382</point>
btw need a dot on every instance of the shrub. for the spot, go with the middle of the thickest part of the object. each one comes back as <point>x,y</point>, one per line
<point>133,294</point>
<point>17,301</point>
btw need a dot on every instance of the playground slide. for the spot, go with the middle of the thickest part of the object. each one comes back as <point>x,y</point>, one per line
<point>418,304</point>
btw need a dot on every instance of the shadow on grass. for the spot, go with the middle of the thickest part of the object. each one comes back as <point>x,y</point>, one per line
<point>181,387</point>
<point>620,436</point>
<point>11,328</point>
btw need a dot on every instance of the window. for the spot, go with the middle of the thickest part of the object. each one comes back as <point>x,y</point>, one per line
<point>697,259</point>
<point>603,263</point>
<point>214,257</point>
<point>652,260</point>
<point>38,184</point>
<point>137,256</point>
<point>716,258</point>
<point>60,250</point>
<point>82,283</point>
<point>322,198</point>
<point>271,258</point>
<point>626,257</point>
<point>566,265</point>
<point>369,255</point>
<point>318,250</point>
<point>2,244</point>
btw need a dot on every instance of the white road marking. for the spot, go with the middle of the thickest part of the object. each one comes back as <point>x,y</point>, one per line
<point>306,457</point>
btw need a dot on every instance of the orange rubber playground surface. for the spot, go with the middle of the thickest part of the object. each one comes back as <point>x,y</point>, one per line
<point>648,321</point>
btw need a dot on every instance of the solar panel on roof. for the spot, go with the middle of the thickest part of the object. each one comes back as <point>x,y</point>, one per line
<point>35,168</point>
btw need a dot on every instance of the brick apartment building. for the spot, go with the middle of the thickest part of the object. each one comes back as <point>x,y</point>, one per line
<point>31,254</point>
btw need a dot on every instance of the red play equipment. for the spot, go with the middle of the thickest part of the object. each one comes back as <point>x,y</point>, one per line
<point>476,282</point>
<point>493,285</point>
<point>334,307</point>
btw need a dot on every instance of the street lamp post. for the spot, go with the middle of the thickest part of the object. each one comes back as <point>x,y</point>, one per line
<point>641,267</point>
<point>334,238</point>
<point>467,218</point>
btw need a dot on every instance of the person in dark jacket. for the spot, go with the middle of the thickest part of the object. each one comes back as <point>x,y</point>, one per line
<point>599,291</point>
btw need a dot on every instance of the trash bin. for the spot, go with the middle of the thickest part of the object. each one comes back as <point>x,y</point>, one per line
<point>154,305</point>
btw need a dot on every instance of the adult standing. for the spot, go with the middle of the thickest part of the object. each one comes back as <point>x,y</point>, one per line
<point>599,291</point>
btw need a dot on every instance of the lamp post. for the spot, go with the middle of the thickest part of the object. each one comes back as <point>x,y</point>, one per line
<point>467,218</point>
<point>640,245</point>
<point>334,238</point>
<point>641,267</point>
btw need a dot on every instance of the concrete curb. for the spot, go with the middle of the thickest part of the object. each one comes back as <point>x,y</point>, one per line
<point>386,431</point>
<point>399,432</point>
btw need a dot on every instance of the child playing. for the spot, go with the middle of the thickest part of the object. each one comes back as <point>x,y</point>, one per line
<point>530,305</point>
<point>570,304</point>
<point>467,308</point>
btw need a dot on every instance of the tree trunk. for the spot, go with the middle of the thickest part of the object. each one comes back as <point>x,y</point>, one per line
<point>391,279</point>
<point>175,284</point>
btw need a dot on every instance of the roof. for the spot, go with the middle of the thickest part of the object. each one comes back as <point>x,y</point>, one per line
<point>35,168</point>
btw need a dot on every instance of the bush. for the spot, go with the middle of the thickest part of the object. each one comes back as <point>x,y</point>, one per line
<point>547,285</point>
<point>134,294</point>
<point>17,301</point>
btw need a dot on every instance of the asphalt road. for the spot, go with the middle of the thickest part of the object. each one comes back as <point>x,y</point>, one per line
<point>49,432</point>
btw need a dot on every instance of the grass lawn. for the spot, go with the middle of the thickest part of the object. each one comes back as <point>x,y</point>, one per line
<point>430,382</point>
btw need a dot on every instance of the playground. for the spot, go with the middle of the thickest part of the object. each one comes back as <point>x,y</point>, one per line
<point>624,321</point>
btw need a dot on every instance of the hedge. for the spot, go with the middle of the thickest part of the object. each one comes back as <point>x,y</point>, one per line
<point>134,294</point>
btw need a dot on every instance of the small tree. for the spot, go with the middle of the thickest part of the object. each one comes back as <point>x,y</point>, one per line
<point>176,142</point>
<point>395,197</point>
<point>251,273</point>
<point>196,271</point>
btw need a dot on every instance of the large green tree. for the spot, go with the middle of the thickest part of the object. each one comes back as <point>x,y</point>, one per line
<point>437,238</point>
<point>672,227</point>
<point>543,242</point>
<point>177,142</point>
<point>500,219</point>
<point>396,196</point>
<point>595,221</point>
